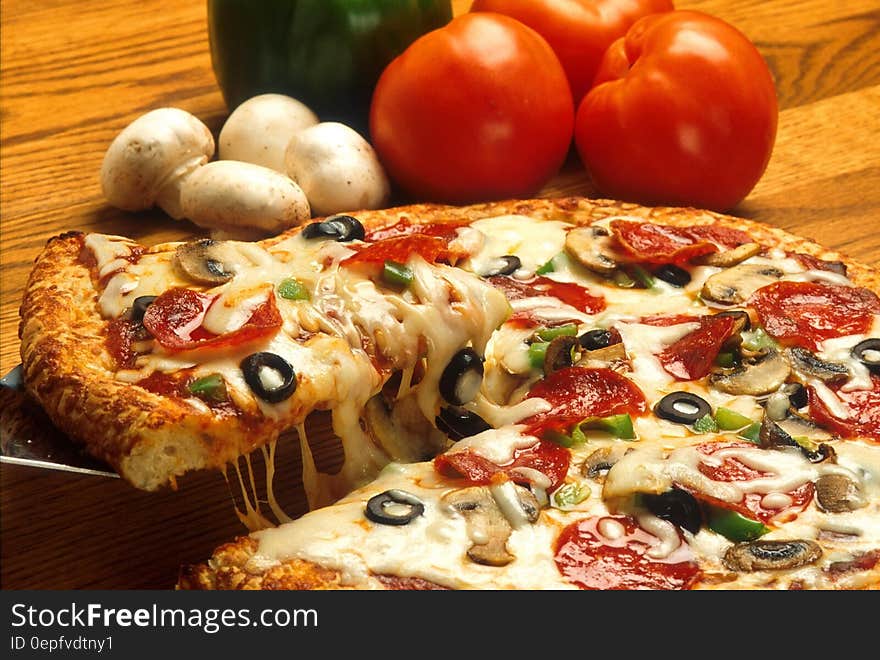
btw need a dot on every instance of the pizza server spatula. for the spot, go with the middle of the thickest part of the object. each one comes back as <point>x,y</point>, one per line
<point>27,437</point>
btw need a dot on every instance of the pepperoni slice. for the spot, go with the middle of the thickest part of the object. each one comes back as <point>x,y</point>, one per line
<point>810,262</point>
<point>400,248</point>
<point>692,356</point>
<point>662,321</point>
<point>577,393</point>
<point>404,227</point>
<point>652,243</point>
<point>175,320</point>
<point>589,559</point>
<point>568,292</point>
<point>529,318</point>
<point>806,313</point>
<point>864,407</point>
<point>546,457</point>
<point>729,469</point>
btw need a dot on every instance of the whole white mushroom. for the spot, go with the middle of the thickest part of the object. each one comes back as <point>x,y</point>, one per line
<point>337,169</point>
<point>243,200</point>
<point>148,161</point>
<point>259,130</point>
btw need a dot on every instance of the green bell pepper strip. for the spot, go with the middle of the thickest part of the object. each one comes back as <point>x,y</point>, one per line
<point>758,340</point>
<point>558,262</point>
<point>571,494</point>
<point>293,289</point>
<point>726,360</point>
<point>549,334</point>
<point>734,526</point>
<point>329,54</point>
<point>706,424</point>
<point>210,388</point>
<point>396,274</point>
<point>643,277</point>
<point>537,353</point>
<point>730,420</point>
<point>752,433</point>
<point>620,426</point>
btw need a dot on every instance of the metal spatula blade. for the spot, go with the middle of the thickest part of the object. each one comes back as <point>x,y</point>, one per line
<point>28,437</point>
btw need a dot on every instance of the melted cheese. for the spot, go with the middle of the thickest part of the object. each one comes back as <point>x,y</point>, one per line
<point>643,343</point>
<point>417,331</point>
<point>535,242</point>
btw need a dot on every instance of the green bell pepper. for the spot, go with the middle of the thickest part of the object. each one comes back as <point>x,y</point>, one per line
<point>209,388</point>
<point>397,274</point>
<point>326,53</point>
<point>735,526</point>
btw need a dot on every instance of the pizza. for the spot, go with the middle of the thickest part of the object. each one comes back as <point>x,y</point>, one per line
<point>529,394</point>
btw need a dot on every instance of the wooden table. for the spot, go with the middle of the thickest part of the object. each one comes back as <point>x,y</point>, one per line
<point>74,73</point>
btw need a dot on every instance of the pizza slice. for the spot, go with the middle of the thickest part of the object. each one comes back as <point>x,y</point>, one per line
<point>184,356</point>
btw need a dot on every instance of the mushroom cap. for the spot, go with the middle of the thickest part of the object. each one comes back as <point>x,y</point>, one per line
<point>337,169</point>
<point>145,163</point>
<point>259,130</point>
<point>233,196</point>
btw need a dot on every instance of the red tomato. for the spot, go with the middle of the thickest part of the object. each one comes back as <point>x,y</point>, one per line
<point>579,31</point>
<point>479,109</point>
<point>683,112</point>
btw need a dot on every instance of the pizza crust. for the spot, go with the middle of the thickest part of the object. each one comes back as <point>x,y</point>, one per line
<point>151,439</point>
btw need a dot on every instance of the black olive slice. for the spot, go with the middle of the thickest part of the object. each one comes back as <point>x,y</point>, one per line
<point>506,265</point>
<point>559,353</point>
<point>458,423</point>
<point>139,307</point>
<point>868,353</point>
<point>252,367</point>
<point>678,507</point>
<point>462,377</point>
<point>770,555</point>
<point>394,507</point>
<point>674,275</point>
<point>341,228</point>
<point>593,340</point>
<point>682,407</point>
<point>739,315</point>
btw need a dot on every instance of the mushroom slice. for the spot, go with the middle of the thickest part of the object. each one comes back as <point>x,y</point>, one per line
<point>592,247</point>
<point>811,365</point>
<point>732,257</point>
<point>603,459</point>
<point>207,261</point>
<point>611,353</point>
<point>771,555</point>
<point>838,493</point>
<point>560,354</point>
<point>734,285</point>
<point>763,376</point>
<point>773,436</point>
<point>487,525</point>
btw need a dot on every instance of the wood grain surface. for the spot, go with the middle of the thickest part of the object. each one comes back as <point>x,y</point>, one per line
<point>73,74</point>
